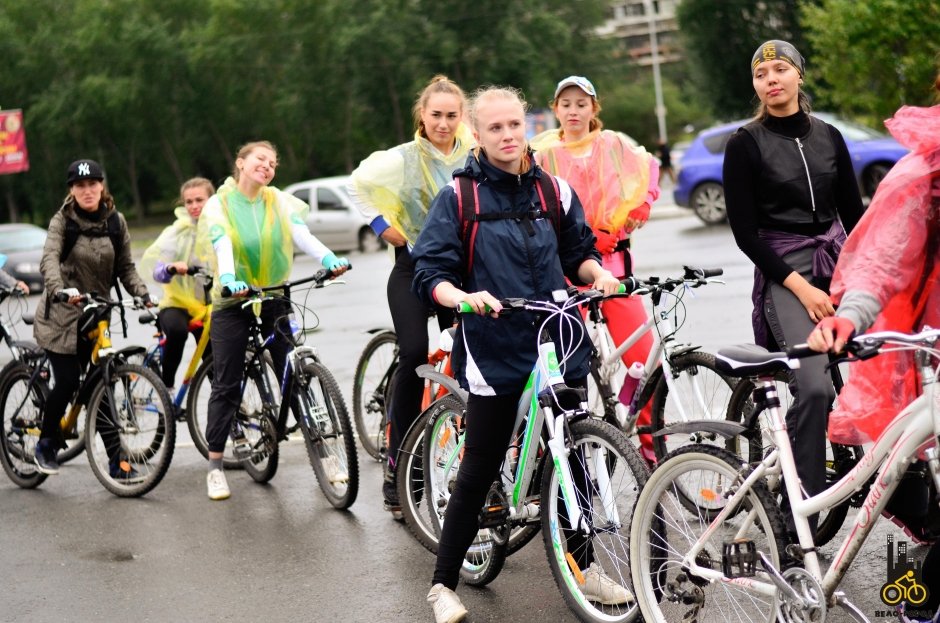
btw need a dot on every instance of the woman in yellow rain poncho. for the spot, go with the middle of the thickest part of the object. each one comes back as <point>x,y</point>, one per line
<point>617,181</point>
<point>394,188</point>
<point>249,230</point>
<point>168,259</point>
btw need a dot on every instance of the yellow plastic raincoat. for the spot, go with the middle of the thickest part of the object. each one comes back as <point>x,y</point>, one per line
<point>262,246</point>
<point>609,172</point>
<point>401,182</point>
<point>177,243</point>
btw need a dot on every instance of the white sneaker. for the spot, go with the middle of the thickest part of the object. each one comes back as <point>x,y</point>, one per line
<point>218,487</point>
<point>599,587</point>
<point>334,472</point>
<point>447,606</point>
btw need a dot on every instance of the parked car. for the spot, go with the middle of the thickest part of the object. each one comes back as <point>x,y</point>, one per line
<point>22,245</point>
<point>333,218</point>
<point>699,183</point>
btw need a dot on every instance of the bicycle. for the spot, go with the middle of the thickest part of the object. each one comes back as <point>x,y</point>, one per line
<point>726,556</point>
<point>683,382</point>
<point>538,486</point>
<point>129,434</point>
<point>372,387</point>
<point>314,397</point>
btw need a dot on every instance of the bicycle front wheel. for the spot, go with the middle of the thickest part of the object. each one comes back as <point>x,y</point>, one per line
<point>664,529</point>
<point>371,387</point>
<point>328,434</point>
<point>607,473</point>
<point>130,440</point>
<point>21,406</point>
<point>255,427</point>
<point>701,393</point>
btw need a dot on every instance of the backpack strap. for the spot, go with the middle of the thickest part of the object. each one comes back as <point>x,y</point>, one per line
<point>468,213</point>
<point>550,197</point>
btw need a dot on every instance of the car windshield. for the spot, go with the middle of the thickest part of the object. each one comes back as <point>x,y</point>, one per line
<point>849,130</point>
<point>21,239</point>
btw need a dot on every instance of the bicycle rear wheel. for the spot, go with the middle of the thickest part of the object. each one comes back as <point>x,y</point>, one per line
<point>701,393</point>
<point>608,473</point>
<point>328,434</point>
<point>371,387</point>
<point>410,482</point>
<point>664,528</point>
<point>130,441</point>
<point>21,408</point>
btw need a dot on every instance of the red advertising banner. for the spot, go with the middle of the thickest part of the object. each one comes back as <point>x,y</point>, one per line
<point>13,157</point>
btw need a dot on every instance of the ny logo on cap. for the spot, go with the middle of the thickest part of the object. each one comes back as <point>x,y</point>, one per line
<point>84,169</point>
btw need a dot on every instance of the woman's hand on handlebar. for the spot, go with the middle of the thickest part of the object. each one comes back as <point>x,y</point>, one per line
<point>607,283</point>
<point>234,286</point>
<point>482,303</point>
<point>336,265</point>
<point>177,268</point>
<point>831,334</point>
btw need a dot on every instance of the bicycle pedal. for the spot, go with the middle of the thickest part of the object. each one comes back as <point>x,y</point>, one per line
<point>739,558</point>
<point>493,516</point>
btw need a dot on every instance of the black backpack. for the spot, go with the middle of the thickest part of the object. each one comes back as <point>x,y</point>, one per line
<point>468,210</point>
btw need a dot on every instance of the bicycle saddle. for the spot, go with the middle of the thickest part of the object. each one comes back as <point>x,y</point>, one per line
<point>752,360</point>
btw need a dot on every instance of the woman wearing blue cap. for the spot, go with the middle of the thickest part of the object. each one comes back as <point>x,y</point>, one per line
<point>791,196</point>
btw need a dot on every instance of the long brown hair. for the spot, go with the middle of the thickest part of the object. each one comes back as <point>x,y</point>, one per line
<point>438,84</point>
<point>106,199</point>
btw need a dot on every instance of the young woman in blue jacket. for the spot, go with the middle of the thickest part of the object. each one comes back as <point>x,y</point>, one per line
<point>493,356</point>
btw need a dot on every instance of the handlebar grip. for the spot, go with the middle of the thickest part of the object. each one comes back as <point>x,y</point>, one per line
<point>800,351</point>
<point>629,285</point>
<point>464,308</point>
<point>702,273</point>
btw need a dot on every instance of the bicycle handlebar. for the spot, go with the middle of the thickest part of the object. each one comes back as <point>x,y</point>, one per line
<point>319,279</point>
<point>190,270</point>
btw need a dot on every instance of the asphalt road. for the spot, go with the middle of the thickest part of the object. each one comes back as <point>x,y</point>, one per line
<point>278,552</point>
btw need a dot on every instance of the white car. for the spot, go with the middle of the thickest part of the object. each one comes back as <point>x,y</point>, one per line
<point>333,218</point>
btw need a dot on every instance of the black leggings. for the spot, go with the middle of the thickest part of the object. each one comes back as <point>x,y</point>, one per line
<point>229,336</point>
<point>410,317</point>
<point>174,322</point>
<point>490,422</point>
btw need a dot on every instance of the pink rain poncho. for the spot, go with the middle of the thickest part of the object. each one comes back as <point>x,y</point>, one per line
<point>893,256</point>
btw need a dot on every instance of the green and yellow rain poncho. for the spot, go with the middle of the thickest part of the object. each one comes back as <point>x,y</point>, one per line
<point>401,182</point>
<point>610,173</point>
<point>177,243</point>
<point>260,232</point>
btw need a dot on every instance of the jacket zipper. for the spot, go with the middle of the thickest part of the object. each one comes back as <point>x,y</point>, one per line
<point>809,180</point>
<point>528,244</point>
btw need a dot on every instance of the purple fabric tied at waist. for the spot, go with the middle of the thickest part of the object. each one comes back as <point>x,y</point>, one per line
<point>827,245</point>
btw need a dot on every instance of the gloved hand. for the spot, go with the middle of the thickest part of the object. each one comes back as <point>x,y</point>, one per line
<point>638,217</point>
<point>606,241</point>
<point>831,334</point>
<point>334,264</point>
<point>234,286</point>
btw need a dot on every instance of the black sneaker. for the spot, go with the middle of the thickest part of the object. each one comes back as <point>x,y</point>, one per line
<point>390,493</point>
<point>46,461</point>
<point>123,472</point>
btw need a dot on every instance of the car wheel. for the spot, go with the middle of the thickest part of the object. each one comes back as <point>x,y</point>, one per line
<point>369,242</point>
<point>708,202</point>
<point>872,177</point>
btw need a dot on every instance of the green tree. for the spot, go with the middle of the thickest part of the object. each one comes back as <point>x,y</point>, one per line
<point>875,55</point>
<point>720,37</point>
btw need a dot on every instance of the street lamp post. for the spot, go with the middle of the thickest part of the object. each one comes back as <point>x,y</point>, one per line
<point>657,78</point>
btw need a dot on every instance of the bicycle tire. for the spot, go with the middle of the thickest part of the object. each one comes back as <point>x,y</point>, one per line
<point>256,420</point>
<point>703,394</point>
<point>594,444</point>
<point>144,422</point>
<point>371,391</point>
<point>410,476</point>
<point>663,527</point>
<point>21,412</point>
<point>328,433</point>
<point>839,458</point>
<point>197,410</point>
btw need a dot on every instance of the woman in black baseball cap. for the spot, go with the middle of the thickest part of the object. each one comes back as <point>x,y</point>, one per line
<point>791,195</point>
<point>87,247</point>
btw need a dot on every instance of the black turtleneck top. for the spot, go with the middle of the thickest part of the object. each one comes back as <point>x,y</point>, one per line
<point>742,170</point>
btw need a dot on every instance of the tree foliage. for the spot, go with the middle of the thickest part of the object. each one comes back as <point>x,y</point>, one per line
<point>880,54</point>
<point>720,37</point>
<point>161,90</point>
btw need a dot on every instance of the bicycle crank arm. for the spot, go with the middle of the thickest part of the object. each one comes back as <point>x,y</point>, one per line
<point>778,579</point>
<point>850,608</point>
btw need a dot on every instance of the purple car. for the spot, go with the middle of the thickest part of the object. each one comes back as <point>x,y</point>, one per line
<point>699,182</point>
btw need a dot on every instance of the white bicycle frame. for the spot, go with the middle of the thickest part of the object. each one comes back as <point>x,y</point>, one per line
<point>911,435</point>
<point>611,365</point>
